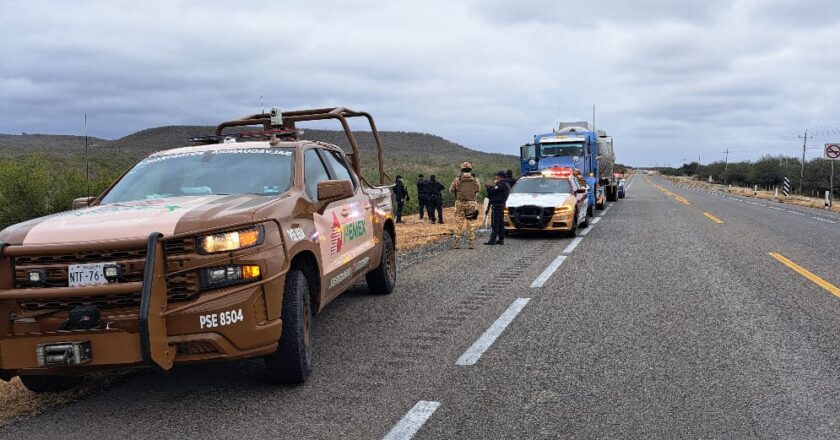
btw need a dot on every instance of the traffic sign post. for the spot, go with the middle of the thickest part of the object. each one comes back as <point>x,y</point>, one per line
<point>832,153</point>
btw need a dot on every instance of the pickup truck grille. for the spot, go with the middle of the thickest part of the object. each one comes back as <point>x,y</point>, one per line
<point>180,287</point>
<point>530,216</point>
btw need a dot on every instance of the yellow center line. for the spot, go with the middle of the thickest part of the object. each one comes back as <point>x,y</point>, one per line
<point>805,273</point>
<point>713,218</point>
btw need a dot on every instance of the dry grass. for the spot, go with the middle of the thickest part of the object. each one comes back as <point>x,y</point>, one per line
<point>809,202</point>
<point>413,234</point>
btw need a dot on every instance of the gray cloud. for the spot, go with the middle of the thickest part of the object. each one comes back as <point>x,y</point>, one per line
<point>670,79</point>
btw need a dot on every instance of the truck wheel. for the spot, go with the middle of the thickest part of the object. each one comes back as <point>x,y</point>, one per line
<point>49,384</point>
<point>599,206</point>
<point>292,362</point>
<point>383,279</point>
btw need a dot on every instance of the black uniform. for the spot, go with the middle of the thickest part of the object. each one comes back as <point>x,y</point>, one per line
<point>401,194</point>
<point>435,201</point>
<point>498,194</point>
<point>422,195</point>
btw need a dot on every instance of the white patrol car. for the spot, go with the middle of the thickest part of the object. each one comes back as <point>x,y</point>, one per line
<point>553,200</point>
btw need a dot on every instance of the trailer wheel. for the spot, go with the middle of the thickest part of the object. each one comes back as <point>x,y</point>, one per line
<point>292,362</point>
<point>49,384</point>
<point>383,279</point>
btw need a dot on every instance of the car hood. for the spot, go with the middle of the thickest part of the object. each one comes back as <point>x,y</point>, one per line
<point>136,219</point>
<point>544,200</point>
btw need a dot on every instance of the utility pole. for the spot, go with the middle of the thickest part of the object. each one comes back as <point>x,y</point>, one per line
<point>802,168</point>
<point>725,165</point>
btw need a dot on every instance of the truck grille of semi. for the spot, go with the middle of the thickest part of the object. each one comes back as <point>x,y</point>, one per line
<point>180,287</point>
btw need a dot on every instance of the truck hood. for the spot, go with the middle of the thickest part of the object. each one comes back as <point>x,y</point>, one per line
<point>136,219</point>
<point>543,200</point>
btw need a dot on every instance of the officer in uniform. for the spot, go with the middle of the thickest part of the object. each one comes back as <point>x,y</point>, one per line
<point>465,187</point>
<point>435,201</point>
<point>510,179</point>
<point>401,194</point>
<point>498,193</point>
<point>422,195</point>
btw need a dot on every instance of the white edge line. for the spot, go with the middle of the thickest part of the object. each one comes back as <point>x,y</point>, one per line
<point>471,356</point>
<point>412,421</point>
<point>546,274</point>
<point>571,247</point>
<point>595,220</point>
<point>585,231</point>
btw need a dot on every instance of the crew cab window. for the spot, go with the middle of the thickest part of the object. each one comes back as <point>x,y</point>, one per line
<point>338,166</point>
<point>313,172</point>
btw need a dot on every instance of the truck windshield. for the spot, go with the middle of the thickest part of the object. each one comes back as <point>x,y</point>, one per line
<point>542,186</point>
<point>263,171</point>
<point>564,149</point>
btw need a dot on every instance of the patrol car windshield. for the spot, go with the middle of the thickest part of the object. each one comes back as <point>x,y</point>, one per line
<point>542,186</point>
<point>564,149</point>
<point>263,171</point>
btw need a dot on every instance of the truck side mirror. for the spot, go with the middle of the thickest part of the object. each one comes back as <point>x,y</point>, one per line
<point>82,202</point>
<point>332,190</point>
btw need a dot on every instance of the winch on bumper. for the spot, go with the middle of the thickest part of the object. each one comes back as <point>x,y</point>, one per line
<point>156,314</point>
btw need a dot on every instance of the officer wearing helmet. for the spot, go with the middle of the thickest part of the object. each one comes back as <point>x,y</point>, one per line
<point>465,187</point>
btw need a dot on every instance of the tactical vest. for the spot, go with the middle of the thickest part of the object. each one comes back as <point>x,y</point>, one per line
<point>467,188</point>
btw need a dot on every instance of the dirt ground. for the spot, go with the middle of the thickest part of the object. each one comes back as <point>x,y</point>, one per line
<point>809,202</point>
<point>17,402</point>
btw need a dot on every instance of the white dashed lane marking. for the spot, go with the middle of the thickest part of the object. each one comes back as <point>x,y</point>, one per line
<point>471,356</point>
<point>412,421</point>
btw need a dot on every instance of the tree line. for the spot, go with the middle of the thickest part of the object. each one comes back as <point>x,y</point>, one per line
<point>767,172</point>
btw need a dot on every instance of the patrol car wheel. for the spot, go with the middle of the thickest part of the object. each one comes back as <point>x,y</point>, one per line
<point>573,232</point>
<point>49,384</point>
<point>585,222</point>
<point>292,362</point>
<point>383,279</point>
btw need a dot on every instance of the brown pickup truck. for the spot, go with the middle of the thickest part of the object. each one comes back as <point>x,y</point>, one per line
<point>226,249</point>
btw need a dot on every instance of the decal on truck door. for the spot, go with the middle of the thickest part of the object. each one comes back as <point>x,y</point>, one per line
<point>350,230</point>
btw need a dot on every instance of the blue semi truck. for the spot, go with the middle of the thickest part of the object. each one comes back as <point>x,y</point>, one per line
<point>575,145</point>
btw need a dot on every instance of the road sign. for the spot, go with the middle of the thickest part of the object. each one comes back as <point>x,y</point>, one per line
<point>786,187</point>
<point>832,151</point>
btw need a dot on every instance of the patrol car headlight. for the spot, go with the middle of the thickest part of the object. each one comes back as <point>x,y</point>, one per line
<point>231,241</point>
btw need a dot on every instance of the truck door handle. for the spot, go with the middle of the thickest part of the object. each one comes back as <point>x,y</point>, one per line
<point>367,206</point>
<point>345,213</point>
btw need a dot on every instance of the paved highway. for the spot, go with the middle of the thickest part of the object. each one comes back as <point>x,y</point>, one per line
<point>679,313</point>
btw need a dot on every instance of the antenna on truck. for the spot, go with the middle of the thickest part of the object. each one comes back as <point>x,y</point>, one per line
<point>87,162</point>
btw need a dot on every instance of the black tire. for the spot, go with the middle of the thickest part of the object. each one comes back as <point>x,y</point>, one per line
<point>585,223</point>
<point>599,206</point>
<point>383,278</point>
<point>49,384</point>
<point>292,362</point>
<point>573,232</point>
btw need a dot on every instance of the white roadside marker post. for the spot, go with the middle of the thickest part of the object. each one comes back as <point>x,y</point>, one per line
<point>755,190</point>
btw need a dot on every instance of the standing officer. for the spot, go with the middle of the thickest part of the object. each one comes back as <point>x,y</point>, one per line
<point>465,187</point>
<point>422,194</point>
<point>435,203</point>
<point>498,193</point>
<point>510,179</point>
<point>401,194</point>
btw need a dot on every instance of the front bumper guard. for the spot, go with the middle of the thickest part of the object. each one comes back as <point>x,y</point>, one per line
<point>154,346</point>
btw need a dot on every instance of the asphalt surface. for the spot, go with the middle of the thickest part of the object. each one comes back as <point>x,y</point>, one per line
<point>659,323</point>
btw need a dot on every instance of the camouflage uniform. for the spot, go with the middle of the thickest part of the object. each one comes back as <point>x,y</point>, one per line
<point>465,188</point>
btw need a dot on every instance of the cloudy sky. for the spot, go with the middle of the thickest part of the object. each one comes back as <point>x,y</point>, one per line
<point>671,80</point>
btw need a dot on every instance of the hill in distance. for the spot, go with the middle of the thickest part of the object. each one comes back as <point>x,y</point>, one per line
<point>405,152</point>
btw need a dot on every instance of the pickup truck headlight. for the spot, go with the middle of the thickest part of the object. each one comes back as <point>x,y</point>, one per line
<point>231,241</point>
